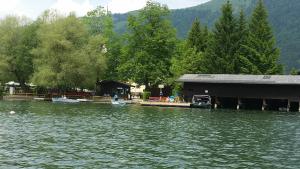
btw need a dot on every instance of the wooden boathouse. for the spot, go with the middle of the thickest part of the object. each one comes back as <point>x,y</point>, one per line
<point>266,92</point>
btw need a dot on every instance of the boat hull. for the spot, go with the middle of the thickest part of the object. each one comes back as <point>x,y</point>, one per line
<point>199,105</point>
<point>118,103</point>
<point>64,100</point>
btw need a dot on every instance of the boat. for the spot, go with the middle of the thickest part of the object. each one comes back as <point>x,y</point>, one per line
<point>201,101</point>
<point>84,100</point>
<point>117,101</point>
<point>64,99</point>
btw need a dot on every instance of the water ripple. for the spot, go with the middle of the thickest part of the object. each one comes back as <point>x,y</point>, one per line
<point>45,135</point>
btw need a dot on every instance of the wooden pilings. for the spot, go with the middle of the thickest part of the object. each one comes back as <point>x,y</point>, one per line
<point>264,105</point>
<point>218,102</point>
<point>288,106</point>
<point>281,104</point>
<point>239,103</point>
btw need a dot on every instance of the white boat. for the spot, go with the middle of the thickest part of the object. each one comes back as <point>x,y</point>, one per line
<point>64,100</point>
<point>117,101</point>
<point>84,100</point>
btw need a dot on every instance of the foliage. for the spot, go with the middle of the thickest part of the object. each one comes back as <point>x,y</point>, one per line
<point>197,37</point>
<point>294,71</point>
<point>150,45</point>
<point>66,57</point>
<point>260,48</point>
<point>1,91</point>
<point>18,38</point>
<point>283,16</point>
<point>95,20</point>
<point>221,53</point>
<point>146,95</point>
<point>68,52</point>
<point>187,61</point>
<point>100,22</point>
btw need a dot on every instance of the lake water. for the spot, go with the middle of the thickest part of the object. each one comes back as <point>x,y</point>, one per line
<point>46,135</point>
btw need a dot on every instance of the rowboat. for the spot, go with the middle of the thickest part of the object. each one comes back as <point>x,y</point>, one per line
<point>64,100</point>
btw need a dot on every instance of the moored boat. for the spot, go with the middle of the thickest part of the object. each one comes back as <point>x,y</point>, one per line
<point>84,100</point>
<point>64,100</point>
<point>201,101</point>
<point>117,101</point>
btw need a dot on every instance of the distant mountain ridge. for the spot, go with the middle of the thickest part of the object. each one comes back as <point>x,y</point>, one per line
<point>283,16</point>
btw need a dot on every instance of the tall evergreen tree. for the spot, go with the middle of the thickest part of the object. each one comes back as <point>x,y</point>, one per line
<point>197,37</point>
<point>243,64</point>
<point>221,54</point>
<point>260,48</point>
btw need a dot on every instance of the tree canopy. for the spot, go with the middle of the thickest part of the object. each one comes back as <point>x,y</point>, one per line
<point>69,52</point>
<point>18,38</point>
<point>67,56</point>
<point>150,46</point>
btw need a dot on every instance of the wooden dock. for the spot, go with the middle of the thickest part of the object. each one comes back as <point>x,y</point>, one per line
<point>18,97</point>
<point>165,104</point>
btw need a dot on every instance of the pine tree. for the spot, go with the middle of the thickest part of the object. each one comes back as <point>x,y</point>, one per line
<point>197,36</point>
<point>260,48</point>
<point>243,64</point>
<point>221,53</point>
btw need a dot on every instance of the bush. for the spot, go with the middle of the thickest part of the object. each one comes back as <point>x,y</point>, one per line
<point>146,95</point>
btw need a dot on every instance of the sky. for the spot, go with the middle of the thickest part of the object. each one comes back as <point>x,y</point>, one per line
<point>33,8</point>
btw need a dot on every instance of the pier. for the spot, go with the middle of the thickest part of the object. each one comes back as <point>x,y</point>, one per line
<point>165,104</point>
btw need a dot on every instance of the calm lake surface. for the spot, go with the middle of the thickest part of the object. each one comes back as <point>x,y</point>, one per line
<point>46,135</point>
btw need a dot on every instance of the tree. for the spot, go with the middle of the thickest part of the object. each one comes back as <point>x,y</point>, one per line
<point>150,46</point>
<point>100,22</point>
<point>221,54</point>
<point>243,65</point>
<point>66,56</point>
<point>188,61</point>
<point>95,20</point>
<point>294,71</point>
<point>197,37</point>
<point>18,38</point>
<point>260,48</point>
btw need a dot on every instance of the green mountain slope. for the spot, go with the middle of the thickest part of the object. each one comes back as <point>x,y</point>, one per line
<point>284,16</point>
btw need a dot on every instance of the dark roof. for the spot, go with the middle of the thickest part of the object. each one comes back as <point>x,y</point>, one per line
<point>241,79</point>
<point>115,82</point>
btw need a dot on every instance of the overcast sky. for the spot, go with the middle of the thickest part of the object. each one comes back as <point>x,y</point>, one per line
<point>33,8</point>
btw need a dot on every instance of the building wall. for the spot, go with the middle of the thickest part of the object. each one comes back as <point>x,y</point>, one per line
<point>254,91</point>
<point>112,88</point>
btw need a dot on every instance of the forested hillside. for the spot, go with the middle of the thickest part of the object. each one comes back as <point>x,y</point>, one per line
<point>284,16</point>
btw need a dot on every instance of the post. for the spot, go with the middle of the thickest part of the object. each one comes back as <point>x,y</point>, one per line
<point>288,106</point>
<point>299,106</point>
<point>160,91</point>
<point>238,104</point>
<point>216,103</point>
<point>264,104</point>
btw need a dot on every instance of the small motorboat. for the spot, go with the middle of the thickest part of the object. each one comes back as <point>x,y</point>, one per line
<point>84,100</point>
<point>117,101</point>
<point>64,99</point>
<point>201,101</point>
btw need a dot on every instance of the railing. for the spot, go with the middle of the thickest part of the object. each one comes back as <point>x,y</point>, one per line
<point>24,94</point>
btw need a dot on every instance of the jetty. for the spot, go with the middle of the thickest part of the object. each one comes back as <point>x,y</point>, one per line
<point>165,104</point>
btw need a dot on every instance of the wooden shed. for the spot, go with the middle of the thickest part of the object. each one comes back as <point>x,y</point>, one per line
<point>266,91</point>
<point>111,88</point>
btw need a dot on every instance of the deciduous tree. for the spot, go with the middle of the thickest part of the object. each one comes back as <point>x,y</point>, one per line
<point>150,46</point>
